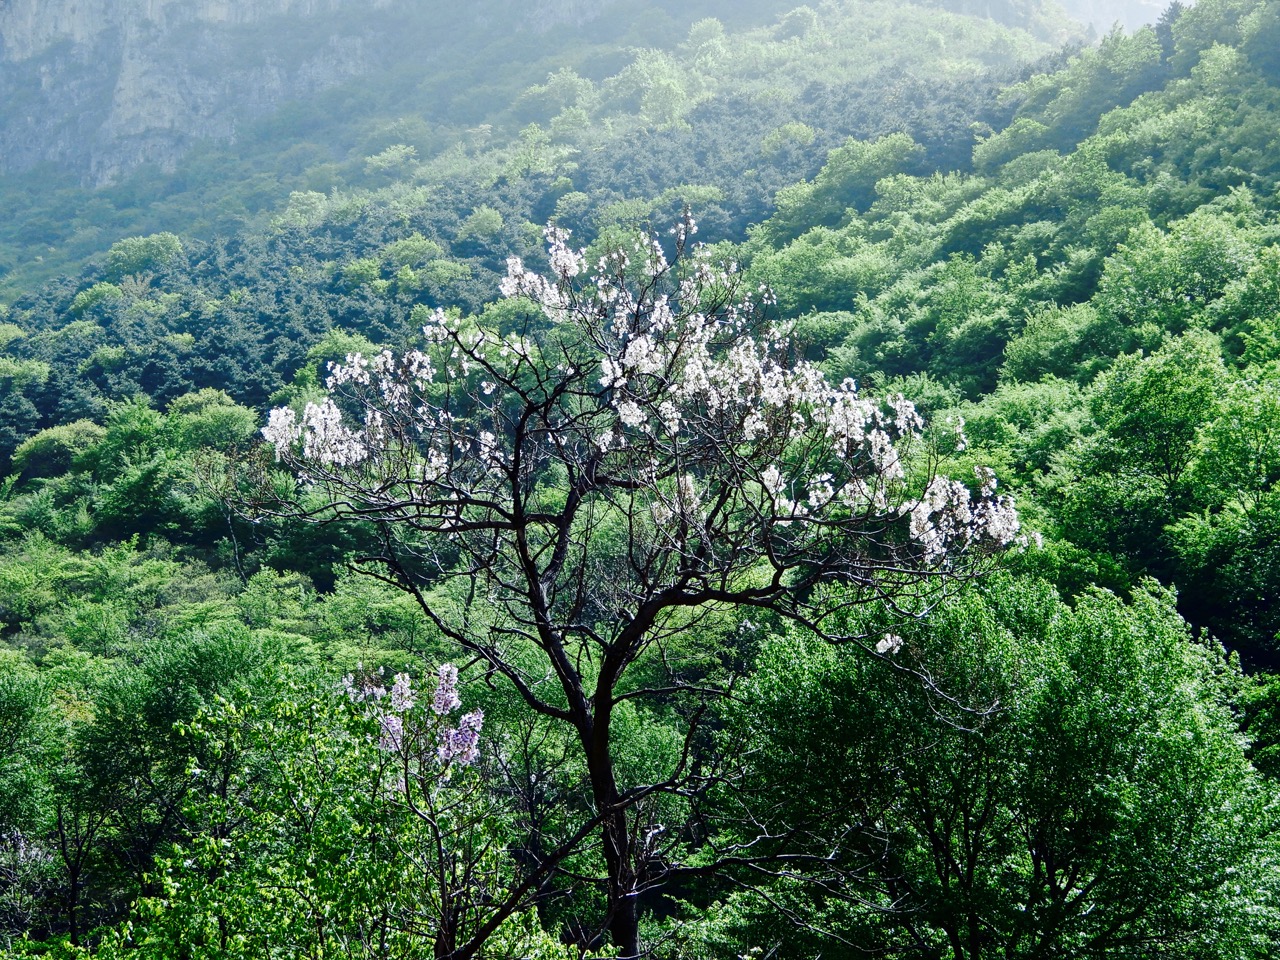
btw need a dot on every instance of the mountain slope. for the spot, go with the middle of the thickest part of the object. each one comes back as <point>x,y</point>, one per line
<point>225,118</point>
<point>1096,299</point>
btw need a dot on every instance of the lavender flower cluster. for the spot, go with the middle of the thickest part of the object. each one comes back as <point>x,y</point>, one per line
<point>458,745</point>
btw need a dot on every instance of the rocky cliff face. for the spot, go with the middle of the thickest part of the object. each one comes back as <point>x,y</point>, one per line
<point>102,86</point>
<point>28,27</point>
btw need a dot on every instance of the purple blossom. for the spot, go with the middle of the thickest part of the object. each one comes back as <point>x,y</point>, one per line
<point>392,733</point>
<point>362,689</point>
<point>446,698</point>
<point>462,746</point>
<point>401,693</point>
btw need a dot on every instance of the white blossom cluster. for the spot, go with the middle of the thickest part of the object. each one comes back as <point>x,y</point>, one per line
<point>671,360</point>
<point>326,439</point>
<point>947,517</point>
<point>566,263</point>
<point>18,850</point>
<point>889,644</point>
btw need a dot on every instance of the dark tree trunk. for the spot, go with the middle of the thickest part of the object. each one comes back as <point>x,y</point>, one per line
<point>624,928</point>
<point>623,916</point>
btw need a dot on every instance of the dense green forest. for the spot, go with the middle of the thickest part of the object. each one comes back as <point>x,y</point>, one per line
<point>738,482</point>
<point>518,126</point>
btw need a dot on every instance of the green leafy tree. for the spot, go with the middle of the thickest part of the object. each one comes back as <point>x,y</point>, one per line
<point>1078,789</point>
<point>1151,409</point>
<point>354,824</point>
<point>846,181</point>
<point>1237,451</point>
<point>1122,488</point>
<point>26,862</point>
<point>55,451</point>
<point>1163,281</point>
<point>137,255</point>
<point>482,226</point>
<point>208,420</point>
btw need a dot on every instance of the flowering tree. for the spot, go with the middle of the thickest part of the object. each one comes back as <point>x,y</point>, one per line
<point>643,454</point>
<point>354,826</point>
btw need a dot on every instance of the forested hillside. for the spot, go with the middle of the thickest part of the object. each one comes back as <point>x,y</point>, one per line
<point>718,122</point>
<point>357,94</point>
<point>1096,300</point>
<point>726,482</point>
